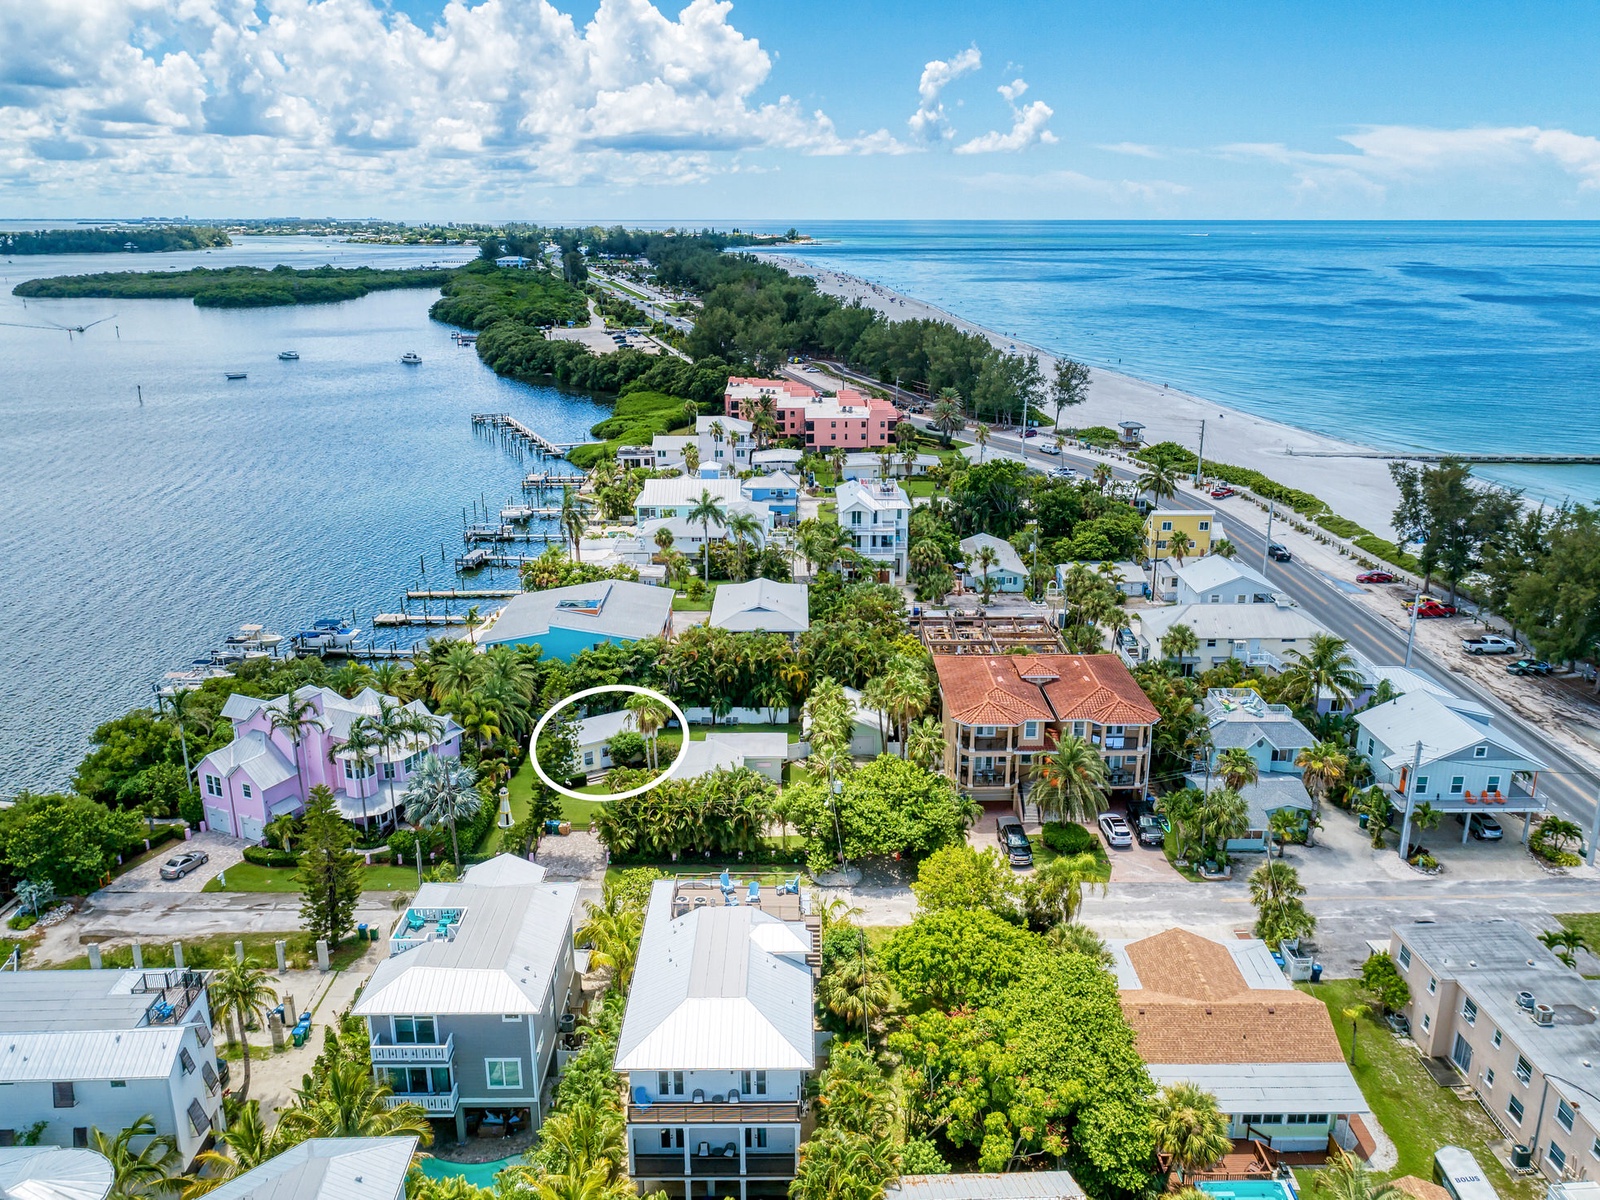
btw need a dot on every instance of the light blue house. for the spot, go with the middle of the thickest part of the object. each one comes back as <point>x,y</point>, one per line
<point>779,491</point>
<point>1238,718</point>
<point>567,620</point>
<point>1008,574</point>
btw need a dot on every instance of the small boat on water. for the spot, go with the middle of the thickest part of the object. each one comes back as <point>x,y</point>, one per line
<point>411,358</point>
<point>288,356</point>
<point>254,637</point>
<point>234,375</point>
<point>517,512</point>
<point>199,671</point>
<point>330,633</point>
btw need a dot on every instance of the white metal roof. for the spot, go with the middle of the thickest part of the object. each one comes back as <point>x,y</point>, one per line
<point>53,1173</point>
<point>875,494</point>
<point>255,755</point>
<point>1005,554</point>
<point>505,951</point>
<point>1013,1185</point>
<point>607,608</point>
<point>504,870</point>
<point>709,995</point>
<point>1213,571</point>
<point>328,1169</point>
<point>146,1053</point>
<point>762,604</point>
<point>591,731</point>
<point>684,490</point>
<point>1270,1087</point>
<point>1230,621</point>
<point>729,751</point>
<point>1443,726</point>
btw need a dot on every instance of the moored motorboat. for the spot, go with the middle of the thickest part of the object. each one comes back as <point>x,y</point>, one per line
<point>234,375</point>
<point>288,356</point>
<point>411,358</point>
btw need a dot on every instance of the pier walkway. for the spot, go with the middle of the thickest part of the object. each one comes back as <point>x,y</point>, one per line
<point>509,424</point>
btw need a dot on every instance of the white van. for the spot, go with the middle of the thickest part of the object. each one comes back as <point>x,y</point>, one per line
<point>1458,1173</point>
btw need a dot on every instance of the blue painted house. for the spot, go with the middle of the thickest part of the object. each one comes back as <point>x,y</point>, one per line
<point>1008,573</point>
<point>780,491</point>
<point>567,620</point>
<point>1239,718</point>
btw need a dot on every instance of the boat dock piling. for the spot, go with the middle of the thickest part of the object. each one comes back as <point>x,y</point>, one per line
<point>465,594</point>
<point>539,480</point>
<point>401,618</point>
<point>509,424</point>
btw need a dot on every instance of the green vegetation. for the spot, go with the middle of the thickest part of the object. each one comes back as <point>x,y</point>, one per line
<point>68,841</point>
<point>248,877</point>
<point>217,949</point>
<point>146,239</point>
<point>236,287</point>
<point>1416,1113</point>
<point>481,294</point>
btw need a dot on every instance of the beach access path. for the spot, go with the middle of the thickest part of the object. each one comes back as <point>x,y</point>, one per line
<point>1357,488</point>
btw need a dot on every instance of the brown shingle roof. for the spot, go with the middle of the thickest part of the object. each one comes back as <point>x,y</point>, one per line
<point>1194,1006</point>
<point>1419,1189</point>
<point>1007,689</point>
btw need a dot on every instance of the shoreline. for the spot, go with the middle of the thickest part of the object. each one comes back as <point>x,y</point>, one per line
<point>1357,488</point>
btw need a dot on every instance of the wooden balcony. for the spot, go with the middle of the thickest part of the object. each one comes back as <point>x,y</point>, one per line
<point>757,1164</point>
<point>747,1112</point>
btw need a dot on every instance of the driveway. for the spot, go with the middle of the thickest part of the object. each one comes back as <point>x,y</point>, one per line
<point>146,877</point>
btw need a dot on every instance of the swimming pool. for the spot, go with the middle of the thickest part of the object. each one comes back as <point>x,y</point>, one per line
<point>477,1174</point>
<point>1249,1189</point>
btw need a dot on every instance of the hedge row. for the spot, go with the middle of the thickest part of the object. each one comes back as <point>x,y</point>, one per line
<point>1068,838</point>
<point>270,856</point>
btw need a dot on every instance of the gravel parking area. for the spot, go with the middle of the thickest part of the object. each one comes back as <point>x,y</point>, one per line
<point>224,851</point>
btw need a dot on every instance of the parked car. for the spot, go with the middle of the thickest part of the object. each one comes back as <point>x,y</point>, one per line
<point>1063,473</point>
<point>1032,433</point>
<point>1485,829</point>
<point>1050,448</point>
<point>1374,577</point>
<point>1278,553</point>
<point>1017,847</point>
<point>1433,608</point>
<point>180,865</point>
<point>1529,666</point>
<point>1115,830</point>
<point>1489,643</point>
<point>1221,492</point>
<point>1150,831</point>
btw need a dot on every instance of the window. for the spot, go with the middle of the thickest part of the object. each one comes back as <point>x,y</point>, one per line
<point>855,518</point>
<point>1524,1069</point>
<point>1405,958</point>
<point>1079,728</point>
<point>1166,527</point>
<point>414,1031</point>
<point>1557,1157</point>
<point>755,1139</point>
<point>1433,985</point>
<point>65,1097</point>
<point>124,1083</point>
<point>247,791</point>
<point>1296,1119</point>
<point>80,1137</point>
<point>1316,1118</point>
<point>1204,525</point>
<point>198,1119</point>
<point>1514,1110</point>
<point>207,1072</point>
<point>1495,1040</point>
<point>213,786</point>
<point>1030,731</point>
<point>1422,784</point>
<point>187,1060</point>
<point>504,1073</point>
<point>1427,1022</point>
<point>588,758</point>
<point>203,1034</point>
<point>1469,1010</point>
<point>504,1017</point>
<point>1480,752</point>
<point>1457,782</point>
<point>1564,1115</point>
<point>984,730</point>
<point>388,770</point>
<point>1488,1078</point>
<point>1594,1148</point>
<point>1493,785</point>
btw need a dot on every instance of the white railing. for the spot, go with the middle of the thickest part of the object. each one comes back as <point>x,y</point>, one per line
<point>444,1103</point>
<point>415,1052</point>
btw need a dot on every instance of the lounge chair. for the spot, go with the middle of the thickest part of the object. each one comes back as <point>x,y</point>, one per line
<point>414,922</point>
<point>641,1097</point>
<point>792,888</point>
<point>755,893</point>
<point>725,882</point>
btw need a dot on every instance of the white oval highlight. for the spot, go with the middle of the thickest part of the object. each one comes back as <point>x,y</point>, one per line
<point>533,743</point>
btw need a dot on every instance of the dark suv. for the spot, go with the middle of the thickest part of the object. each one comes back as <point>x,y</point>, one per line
<point>1278,553</point>
<point>1018,849</point>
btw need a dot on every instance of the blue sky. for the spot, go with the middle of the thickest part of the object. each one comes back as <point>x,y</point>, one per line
<point>776,109</point>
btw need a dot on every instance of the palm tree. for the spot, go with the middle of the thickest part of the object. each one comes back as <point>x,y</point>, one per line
<point>613,929</point>
<point>925,744</point>
<point>856,992</point>
<point>1223,816</point>
<point>1327,668</point>
<point>706,510</point>
<point>650,716</point>
<point>136,1172</point>
<point>718,432</point>
<point>1223,548</point>
<point>1070,781</point>
<point>281,831</point>
<point>1238,768</point>
<point>573,520</point>
<point>249,1144</point>
<point>1102,475</point>
<point>664,541</point>
<point>348,1102</point>
<point>1179,642</point>
<point>838,1165</point>
<point>456,672</point>
<point>1059,885</point>
<point>1322,767</point>
<point>947,415</point>
<point>691,460</point>
<point>359,743</point>
<point>907,695</point>
<point>179,700</point>
<point>1160,479</point>
<point>1179,545</point>
<point>985,560</point>
<point>1079,939</point>
<point>818,542</point>
<point>1347,1179</point>
<point>1564,944</point>
<point>297,717</point>
<point>745,529</point>
<point>1189,1127</point>
<point>836,459</point>
<point>240,992</point>
<point>981,436</point>
<point>442,791</point>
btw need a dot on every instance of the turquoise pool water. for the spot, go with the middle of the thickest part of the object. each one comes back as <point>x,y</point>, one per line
<point>1249,1189</point>
<point>477,1174</point>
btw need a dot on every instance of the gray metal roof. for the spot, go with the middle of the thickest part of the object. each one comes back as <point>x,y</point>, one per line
<point>53,1173</point>
<point>146,1053</point>
<point>328,1169</point>
<point>729,751</point>
<point>504,870</point>
<point>718,988</point>
<point>506,949</point>
<point>1270,1087</point>
<point>620,609</point>
<point>1213,571</point>
<point>1270,792</point>
<point>1006,557</point>
<point>1228,621</point>
<point>46,1001</point>
<point>762,604</point>
<point>1014,1185</point>
<point>1443,725</point>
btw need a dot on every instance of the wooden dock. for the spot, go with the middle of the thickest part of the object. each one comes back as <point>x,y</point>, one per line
<point>1433,457</point>
<point>506,423</point>
<point>489,533</point>
<point>538,480</point>
<point>464,594</point>
<point>400,618</point>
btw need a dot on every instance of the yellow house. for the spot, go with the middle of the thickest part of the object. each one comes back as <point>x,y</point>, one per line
<point>1163,525</point>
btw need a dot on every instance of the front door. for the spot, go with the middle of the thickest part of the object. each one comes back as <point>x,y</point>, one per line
<point>1461,1055</point>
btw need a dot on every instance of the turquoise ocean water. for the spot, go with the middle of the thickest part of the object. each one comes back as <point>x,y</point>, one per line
<point>135,537</point>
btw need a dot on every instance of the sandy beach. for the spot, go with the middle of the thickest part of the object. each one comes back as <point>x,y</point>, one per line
<point>1358,488</point>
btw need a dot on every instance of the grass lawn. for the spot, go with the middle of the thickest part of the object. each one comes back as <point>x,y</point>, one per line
<point>212,951</point>
<point>828,510</point>
<point>1042,854</point>
<point>248,877</point>
<point>918,488</point>
<point>1188,873</point>
<point>1416,1113</point>
<point>1588,924</point>
<point>682,603</point>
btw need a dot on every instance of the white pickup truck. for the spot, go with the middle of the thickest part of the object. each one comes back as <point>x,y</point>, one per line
<point>1489,643</point>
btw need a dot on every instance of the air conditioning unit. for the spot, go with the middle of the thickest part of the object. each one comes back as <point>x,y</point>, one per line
<point>1525,1001</point>
<point>1543,1014</point>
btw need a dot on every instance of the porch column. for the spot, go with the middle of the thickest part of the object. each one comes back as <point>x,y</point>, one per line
<point>1527,824</point>
<point>1466,827</point>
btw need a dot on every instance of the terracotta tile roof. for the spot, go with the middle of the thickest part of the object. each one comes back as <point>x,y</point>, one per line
<point>982,689</point>
<point>1196,1007</point>
<point>1099,688</point>
<point>1006,689</point>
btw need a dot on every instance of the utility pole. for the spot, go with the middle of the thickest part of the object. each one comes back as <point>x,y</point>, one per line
<point>1411,629</point>
<point>1200,458</point>
<point>1272,508</point>
<point>1411,801</point>
<point>1594,830</point>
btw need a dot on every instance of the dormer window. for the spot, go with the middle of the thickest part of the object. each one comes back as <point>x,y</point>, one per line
<point>1480,752</point>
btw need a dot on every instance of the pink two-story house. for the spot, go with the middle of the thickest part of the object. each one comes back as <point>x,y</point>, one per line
<point>262,774</point>
<point>849,418</point>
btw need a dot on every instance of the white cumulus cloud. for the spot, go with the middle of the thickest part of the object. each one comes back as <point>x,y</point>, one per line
<point>293,95</point>
<point>1029,125</point>
<point>929,122</point>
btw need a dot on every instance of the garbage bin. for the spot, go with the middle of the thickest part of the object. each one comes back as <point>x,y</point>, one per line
<point>361,932</point>
<point>1362,820</point>
<point>1316,972</point>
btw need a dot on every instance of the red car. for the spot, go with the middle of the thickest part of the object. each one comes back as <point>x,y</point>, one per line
<point>1374,577</point>
<point>1433,608</point>
<point>1221,493</point>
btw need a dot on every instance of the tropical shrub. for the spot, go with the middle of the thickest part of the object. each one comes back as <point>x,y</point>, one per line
<point>1068,837</point>
<point>270,856</point>
<point>723,813</point>
<point>1382,978</point>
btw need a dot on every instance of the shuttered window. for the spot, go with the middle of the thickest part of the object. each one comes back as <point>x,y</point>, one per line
<point>198,1118</point>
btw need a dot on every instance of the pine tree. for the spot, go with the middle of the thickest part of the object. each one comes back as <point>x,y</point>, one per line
<point>330,872</point>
